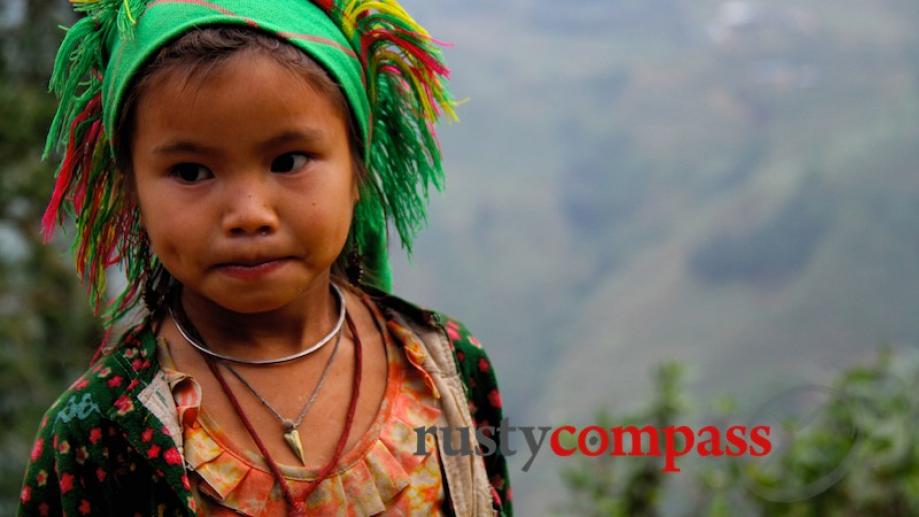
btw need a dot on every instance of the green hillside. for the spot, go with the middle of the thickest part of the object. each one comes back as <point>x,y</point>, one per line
<point>732,184</point>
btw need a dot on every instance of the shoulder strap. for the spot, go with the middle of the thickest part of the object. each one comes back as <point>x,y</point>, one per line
<point>485,405</point>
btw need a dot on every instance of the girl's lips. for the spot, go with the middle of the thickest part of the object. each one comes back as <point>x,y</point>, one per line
<point>253,271</point>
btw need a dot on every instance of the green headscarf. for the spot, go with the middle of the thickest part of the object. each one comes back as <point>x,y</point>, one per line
<point>388,67</point>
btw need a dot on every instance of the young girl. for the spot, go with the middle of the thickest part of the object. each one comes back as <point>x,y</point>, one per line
<point>241,161</point>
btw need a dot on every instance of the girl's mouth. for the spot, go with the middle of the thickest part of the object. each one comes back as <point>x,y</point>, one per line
<point>246,271</point>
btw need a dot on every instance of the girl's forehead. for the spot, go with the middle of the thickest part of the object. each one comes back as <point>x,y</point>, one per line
<point>240,75</point>
<point>248,98</point>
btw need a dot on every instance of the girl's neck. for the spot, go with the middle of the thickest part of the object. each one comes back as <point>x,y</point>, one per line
<point>283,331</point>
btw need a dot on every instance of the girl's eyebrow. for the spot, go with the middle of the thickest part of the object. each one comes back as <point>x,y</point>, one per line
<point>292,135</point>
<point>308,135</point>
<point>183,146</point>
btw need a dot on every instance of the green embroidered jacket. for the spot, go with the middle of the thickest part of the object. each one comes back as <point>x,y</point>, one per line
<point>101,451</point>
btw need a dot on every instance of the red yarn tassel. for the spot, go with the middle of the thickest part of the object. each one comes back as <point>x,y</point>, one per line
<point>326,5</point>
<point>394,36</point>
<point>72,163</point>
<point>89,148</point>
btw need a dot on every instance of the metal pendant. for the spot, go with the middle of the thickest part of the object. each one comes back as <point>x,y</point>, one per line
<point>292,438</point>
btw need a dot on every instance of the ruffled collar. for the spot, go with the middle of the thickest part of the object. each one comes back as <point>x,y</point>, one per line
<point>372,477</point>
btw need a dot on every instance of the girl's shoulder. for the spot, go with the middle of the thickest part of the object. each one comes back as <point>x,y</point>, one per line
<point>472,366</point>
<point>122,372</point>
<point>109,392</point>
<point>101,430</point>
<point>471,361</point>
<point>470,356</point>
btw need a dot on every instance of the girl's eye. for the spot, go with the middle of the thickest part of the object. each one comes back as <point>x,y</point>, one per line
<point>191,172</point>
<point>289,162</point>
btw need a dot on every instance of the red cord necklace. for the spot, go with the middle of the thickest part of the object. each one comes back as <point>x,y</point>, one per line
<point>298,508</point>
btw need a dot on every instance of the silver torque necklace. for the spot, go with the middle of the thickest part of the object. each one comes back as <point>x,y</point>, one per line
<point>291,435</point>
<point>190,333</point>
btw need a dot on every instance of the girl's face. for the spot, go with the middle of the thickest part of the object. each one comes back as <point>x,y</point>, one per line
<point>245,181</point>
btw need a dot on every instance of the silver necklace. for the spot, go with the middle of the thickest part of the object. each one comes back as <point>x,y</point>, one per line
<point>190,333</point>
<point>291,435</point>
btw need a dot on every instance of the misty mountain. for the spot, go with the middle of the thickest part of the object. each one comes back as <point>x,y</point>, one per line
<point>731,184</point>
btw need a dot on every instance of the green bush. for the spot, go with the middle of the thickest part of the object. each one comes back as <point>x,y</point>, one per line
<point>856,453</point>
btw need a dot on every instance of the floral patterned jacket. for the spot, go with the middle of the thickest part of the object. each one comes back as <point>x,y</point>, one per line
<point>102,450</point>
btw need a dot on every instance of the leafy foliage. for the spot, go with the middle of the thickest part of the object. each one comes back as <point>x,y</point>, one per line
<point>609,486</point>
<point>856,453</point>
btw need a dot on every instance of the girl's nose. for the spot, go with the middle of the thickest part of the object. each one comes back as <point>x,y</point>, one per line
<point>250,212</point>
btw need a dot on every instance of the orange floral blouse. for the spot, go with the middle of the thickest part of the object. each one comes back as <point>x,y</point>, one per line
<point>381,474</point>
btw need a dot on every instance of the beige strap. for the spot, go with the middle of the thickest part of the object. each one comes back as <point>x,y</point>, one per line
<point>466,476</point>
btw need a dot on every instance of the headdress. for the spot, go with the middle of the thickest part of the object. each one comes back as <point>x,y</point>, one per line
<point>389,69</point>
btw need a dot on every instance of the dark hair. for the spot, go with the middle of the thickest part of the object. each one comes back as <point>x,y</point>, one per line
<point>196,54</point>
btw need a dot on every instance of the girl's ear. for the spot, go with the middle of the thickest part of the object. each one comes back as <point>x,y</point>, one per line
<point>355,192</point>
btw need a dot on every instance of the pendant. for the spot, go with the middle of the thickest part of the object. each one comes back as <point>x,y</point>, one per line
<point>292,438</point>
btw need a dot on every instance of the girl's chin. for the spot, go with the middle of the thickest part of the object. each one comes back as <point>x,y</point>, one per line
<point>251,300</point>
<point>244,297</point>
<point>254,304</point>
